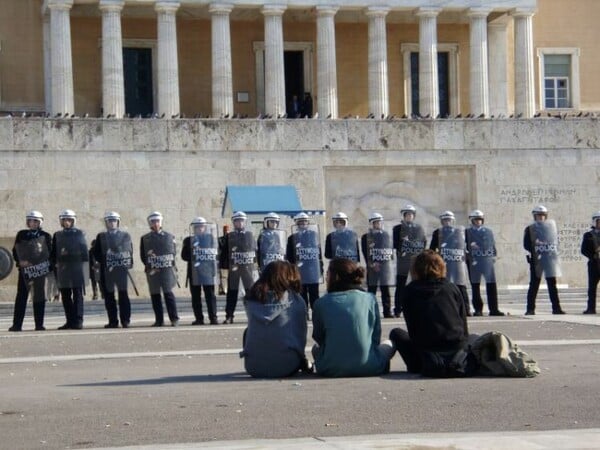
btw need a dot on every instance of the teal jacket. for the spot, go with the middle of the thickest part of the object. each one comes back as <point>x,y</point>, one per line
<point>347,327</point>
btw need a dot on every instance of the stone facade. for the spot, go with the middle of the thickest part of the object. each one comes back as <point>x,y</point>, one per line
<point>181,167</point>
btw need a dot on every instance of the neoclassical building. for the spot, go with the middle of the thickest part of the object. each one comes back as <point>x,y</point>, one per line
<point>248,57</point>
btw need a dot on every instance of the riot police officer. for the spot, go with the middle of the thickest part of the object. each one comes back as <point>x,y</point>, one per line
<point>449,242</point>
<point>540,239</point>
<point>239,258</point>
<point>590,248</point>
<point>378,251</point>
<point>342,242</point>
<point>271,241</point>
<point>304,250</point>
<point>32,256</point>
<point>481,255</point>
<point>113,250</point>
<point>157,252</point>
<point>69,256</point>
<point>408,240</point>
<point>200,250</point>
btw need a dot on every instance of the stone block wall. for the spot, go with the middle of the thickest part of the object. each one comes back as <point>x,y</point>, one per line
<point>181,167</point>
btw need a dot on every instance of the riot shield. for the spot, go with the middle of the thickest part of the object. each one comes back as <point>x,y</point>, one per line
<point>72,270</point>
<point>160,267</point>
<point>6,263</point>
<point>117,251</point>
<point>242,257</point>
<point>203,253</point>
<point>344,244</point>
<point>452,250</point>
<point>544,242</point>
<point>381,265</point>
<point>412,242</point>
<point>271,246</point>
<point>482,254</point>
<point>307,249</point>
<point>34,258</point>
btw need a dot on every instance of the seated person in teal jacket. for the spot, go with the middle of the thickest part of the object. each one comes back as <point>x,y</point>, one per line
<point>347,326</point>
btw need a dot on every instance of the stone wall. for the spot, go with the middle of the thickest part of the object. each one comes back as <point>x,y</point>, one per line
<point>181,167</point>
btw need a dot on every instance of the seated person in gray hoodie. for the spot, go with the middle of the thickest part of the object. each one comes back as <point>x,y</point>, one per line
<point>275,339</point>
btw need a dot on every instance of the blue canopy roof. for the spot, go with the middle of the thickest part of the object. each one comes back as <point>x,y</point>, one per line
<point>262,200</point>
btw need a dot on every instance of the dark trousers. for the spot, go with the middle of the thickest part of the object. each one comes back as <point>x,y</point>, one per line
<point>124,310</point>
<point>233,289</point>
<point>310,293</point>
<point>158,309</point>
<point>407,349</point>
<point>72,300</point>
<point>491,290</point>
<point>211,301</point>
<point>534,285</point>
<point>386,300</point>
<point>465,295</point>
<point>593,278</point>
<point>398,295</point>
<point>39,301</point>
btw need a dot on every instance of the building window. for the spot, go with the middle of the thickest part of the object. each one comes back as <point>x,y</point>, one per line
<point>559,78</point>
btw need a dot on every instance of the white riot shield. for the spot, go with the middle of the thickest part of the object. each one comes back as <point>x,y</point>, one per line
<point>203,253</point>
<point>271,246</point>
<point>160,255</point>
<point>242,257</point>
<point>117,252</point>
<point>307,250</point>
<point>34,258</point>
<point>381,265</point>
<point>452,250</point>
<point>412,242</point>
<point>72,268</point>
<point>482,254</point>
<point>544,242</point>
<point>344,244</point>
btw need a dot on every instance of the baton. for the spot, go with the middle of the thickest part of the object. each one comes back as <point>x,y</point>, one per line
<point>133,284</point>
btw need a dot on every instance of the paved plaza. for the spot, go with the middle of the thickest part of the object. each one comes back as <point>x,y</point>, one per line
<point>185,387</point>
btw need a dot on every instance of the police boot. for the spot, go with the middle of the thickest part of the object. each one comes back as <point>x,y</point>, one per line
<point>38,315</point>
<point>492,298</point>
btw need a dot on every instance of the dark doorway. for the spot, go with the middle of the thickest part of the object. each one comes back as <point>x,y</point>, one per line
<point>293,62</point>
<point>137,67</point>
<point>443,83</point>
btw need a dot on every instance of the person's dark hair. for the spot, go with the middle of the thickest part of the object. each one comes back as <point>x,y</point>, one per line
<point>428,266</point>
<point>277,278</point>
<point>343,275</point>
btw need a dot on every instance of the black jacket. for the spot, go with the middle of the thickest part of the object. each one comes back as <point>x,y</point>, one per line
<point>28,235</point>
<point>589,246</point>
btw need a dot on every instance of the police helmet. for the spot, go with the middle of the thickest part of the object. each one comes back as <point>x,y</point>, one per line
<point>539,210</point>
<point>238,215</point>
<point>35,215</point>
<point>153,216</point>
<point>68,214</point>
<point>375,217</point>
<point>595,218</point>
<point>340,216</point>
<point>476,214</point>
<point>447,215</point>
<point>198,221</point>
<point>271,217</point>
<point>112,215</point>
<point>408,209</point>
<point>301,216</point>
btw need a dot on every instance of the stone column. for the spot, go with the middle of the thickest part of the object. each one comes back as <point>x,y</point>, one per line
<point>168,69</point>
<point>429,104</point>
<point>274,69</point>
<point>327,96</point>
<point>61,57</point>
<point>378,67</point>
<point>498,67</point>
<point>47,64</point>
<point>113,84</point>
<point>222,79</point>
<point>524,72</point>
<point>479,86</point>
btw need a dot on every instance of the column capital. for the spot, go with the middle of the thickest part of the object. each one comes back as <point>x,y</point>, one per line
<point>428,12</point>
<point>220,8</point>
<point>481,13</point>
<point>64,5</point>
<point>523,12</point>
<point>377,11</point>
<point>326,10</point>
<point>273,10</point>
<point>111,5</point>
<point>167,6</point>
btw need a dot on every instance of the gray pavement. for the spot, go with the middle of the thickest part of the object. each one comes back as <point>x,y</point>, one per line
<point>185,387</point>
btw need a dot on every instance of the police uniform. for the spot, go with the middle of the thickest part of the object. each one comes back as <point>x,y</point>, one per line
<point>206,241</point>
<point>373,281</point>
<point>590,248</point>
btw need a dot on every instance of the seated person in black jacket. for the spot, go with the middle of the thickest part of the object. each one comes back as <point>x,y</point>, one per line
<point>436,319</point>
